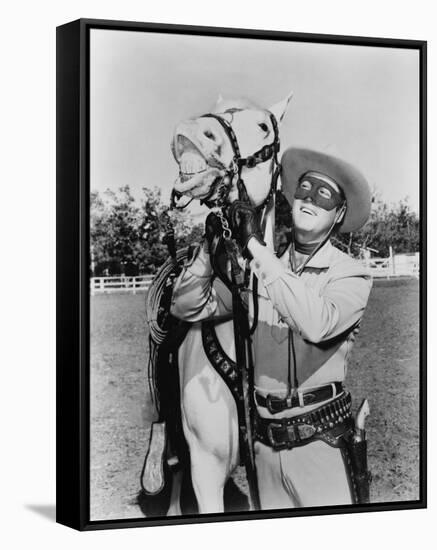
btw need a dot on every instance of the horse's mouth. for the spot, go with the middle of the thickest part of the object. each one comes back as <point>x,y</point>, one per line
<point>191,164</point>
<point>197,175</point>
<point>185,176</point>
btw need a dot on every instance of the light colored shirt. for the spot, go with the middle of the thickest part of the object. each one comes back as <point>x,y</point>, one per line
<point>322,307</point>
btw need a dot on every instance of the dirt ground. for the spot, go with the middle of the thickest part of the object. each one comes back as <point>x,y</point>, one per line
<point>384,368</point>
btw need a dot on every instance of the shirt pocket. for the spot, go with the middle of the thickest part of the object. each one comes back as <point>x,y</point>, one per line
<point>268,314</point>
<point>279,331</point>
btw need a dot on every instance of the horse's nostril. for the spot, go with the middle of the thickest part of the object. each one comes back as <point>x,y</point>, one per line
<point>208,134</point>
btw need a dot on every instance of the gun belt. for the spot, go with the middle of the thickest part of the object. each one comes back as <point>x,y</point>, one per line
<point>329,423</point>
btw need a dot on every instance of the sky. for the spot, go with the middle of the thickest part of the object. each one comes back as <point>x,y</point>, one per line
<point>360,103</point>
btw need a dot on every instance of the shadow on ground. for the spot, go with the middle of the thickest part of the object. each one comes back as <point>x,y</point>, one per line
<point>47,511</point>
<point>234,500</point>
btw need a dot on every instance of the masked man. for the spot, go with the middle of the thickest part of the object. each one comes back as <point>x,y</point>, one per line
<point>310,302</point>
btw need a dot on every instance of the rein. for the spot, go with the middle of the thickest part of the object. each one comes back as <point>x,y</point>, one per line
<point>242,330</point>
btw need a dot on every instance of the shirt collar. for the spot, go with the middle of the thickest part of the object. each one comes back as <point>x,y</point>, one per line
<point>320,260</point>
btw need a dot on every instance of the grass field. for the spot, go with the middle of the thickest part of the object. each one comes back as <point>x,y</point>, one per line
<point>384,368</point>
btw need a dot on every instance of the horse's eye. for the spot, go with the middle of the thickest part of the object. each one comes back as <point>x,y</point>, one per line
<point>263,127</point>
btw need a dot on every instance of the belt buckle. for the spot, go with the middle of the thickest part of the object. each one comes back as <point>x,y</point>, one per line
<point>304,397</point>
<point>269,404</point>
<point>274,410</point>
<point>283,445</point>
<point>295,432</point>
<point>308,397</point>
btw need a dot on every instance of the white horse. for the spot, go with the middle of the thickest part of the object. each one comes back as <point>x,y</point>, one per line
<point>203,150</point>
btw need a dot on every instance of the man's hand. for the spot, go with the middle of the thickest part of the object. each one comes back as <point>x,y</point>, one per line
<point>244,222</point>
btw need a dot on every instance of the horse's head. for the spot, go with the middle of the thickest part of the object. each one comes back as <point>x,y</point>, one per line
<point>211,150</point>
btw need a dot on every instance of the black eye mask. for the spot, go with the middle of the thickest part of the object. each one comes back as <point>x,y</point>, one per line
<point>316,193</point>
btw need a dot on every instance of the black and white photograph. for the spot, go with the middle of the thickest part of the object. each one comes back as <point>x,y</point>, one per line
<point>254,216</point>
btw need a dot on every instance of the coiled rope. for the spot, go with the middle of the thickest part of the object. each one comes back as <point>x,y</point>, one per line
<point>155,310</point>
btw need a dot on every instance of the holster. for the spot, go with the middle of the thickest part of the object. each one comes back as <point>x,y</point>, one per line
<point>355,455</point>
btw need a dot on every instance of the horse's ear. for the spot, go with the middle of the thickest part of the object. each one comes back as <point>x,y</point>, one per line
<point>279,109</point>
<point>219,101</point>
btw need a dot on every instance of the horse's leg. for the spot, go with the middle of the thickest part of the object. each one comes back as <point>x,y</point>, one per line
<point>212,461</point>
<point>209,474</point>
<point>209,419</point>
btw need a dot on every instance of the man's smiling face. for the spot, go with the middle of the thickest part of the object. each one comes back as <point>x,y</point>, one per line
<point>309,218</point>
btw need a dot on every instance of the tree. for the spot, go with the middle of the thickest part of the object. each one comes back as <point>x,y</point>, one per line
<point>154,224</point>
<point>389,225</point>
<point>99,213</point>
<point>122,230</point>
<point>127,236</point>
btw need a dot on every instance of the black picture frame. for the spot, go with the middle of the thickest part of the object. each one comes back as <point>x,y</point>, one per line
<point>73,301</point>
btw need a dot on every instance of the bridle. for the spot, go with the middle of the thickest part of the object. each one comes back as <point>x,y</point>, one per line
<point>267,152</point>
<point>235,167</point>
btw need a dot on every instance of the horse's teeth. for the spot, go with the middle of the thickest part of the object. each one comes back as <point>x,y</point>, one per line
<point>192,163</point>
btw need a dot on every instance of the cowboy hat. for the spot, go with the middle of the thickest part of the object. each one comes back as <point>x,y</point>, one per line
<point>297,162</point>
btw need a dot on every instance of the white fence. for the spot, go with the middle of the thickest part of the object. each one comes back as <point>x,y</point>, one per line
<point>120,284</point>
<point>397,265</point>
